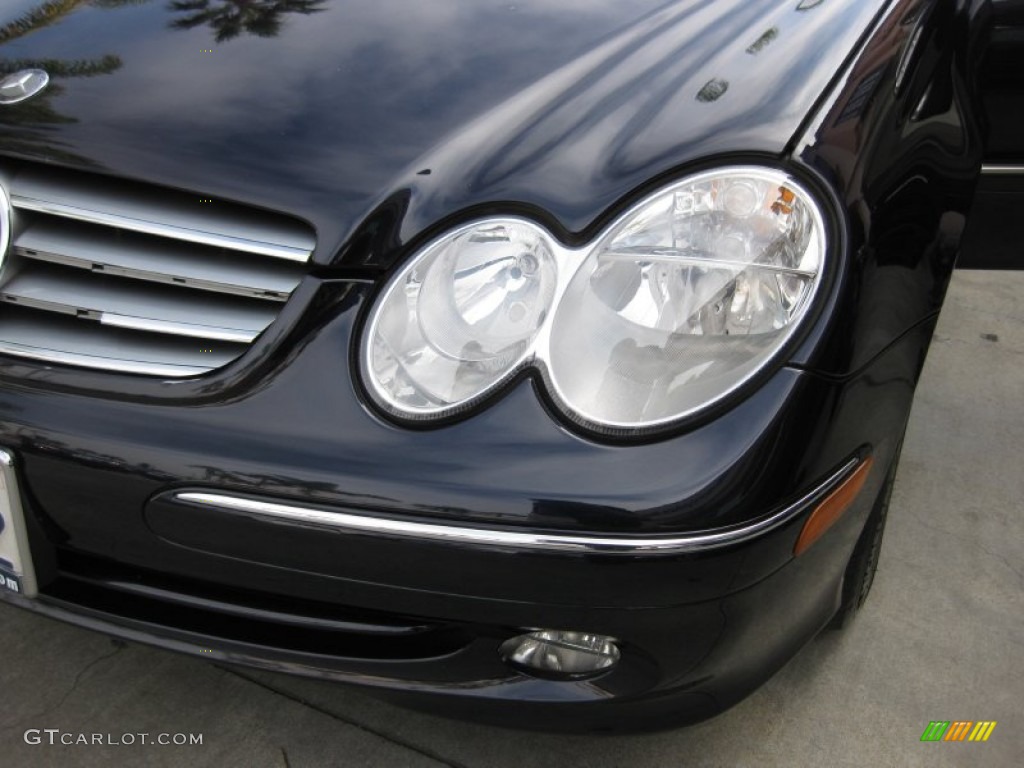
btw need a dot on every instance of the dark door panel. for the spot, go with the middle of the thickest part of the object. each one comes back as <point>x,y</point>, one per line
<point>994,238</point>
<point>1002,83</point>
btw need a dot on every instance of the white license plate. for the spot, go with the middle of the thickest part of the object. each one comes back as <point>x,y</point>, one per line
<point>16,573</point>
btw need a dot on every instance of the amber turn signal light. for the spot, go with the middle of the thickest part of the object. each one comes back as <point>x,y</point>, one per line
<point>832,508</point>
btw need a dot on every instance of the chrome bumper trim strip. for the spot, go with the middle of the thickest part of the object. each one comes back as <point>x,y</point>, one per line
<point>608,544</point>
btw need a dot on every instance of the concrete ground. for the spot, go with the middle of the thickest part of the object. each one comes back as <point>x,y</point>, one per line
<point>941,638</point>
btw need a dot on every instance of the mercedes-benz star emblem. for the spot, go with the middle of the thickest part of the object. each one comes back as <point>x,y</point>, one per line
<point>22,85</point>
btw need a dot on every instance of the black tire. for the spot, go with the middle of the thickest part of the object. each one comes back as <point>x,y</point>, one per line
<point>860,571</point>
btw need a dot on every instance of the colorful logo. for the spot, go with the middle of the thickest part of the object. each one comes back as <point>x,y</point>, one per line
<point>958,730</point>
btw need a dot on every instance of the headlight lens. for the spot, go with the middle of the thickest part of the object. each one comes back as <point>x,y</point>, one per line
<point>686,298</point>
<point>680,302</point>
<point>461,317</point>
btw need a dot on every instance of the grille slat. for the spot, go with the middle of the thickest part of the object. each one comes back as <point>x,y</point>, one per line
<point>162,213</point>
<point>129,304</point>
<point>129,278</point>
<point>142,258</point>
<point>48,337</point>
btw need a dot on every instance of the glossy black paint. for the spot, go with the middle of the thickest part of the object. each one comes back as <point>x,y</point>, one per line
<point>539,114</point>
<point>900,143</point>
<point>710,626</point>
<point>563,109</point>
<point>511,464</point>
<point>681,663</point>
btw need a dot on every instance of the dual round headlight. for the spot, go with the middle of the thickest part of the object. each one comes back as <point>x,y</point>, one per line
<point>683,299</point>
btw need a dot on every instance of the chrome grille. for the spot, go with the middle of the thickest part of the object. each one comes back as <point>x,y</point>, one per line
<point>124,277</point>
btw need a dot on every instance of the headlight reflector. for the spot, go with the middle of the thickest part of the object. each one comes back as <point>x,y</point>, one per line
<point>677,304</point>
<point>686,298</point>
<point>461,316</point>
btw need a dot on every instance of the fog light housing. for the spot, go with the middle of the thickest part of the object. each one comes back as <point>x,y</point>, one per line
<point>559,655</point>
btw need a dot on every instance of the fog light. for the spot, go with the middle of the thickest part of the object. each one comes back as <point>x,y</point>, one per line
<point>561,655</point>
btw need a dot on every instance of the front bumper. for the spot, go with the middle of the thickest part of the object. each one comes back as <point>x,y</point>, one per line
<point>116,550</point>
<point>679,663</point>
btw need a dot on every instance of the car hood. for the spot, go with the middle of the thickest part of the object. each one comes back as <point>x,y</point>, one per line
<point>377,120</point>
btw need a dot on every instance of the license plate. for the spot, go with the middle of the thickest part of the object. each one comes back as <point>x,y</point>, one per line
<point>16,573</point>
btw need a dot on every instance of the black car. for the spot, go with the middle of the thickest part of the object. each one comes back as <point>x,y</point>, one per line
<point>542,362</point>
